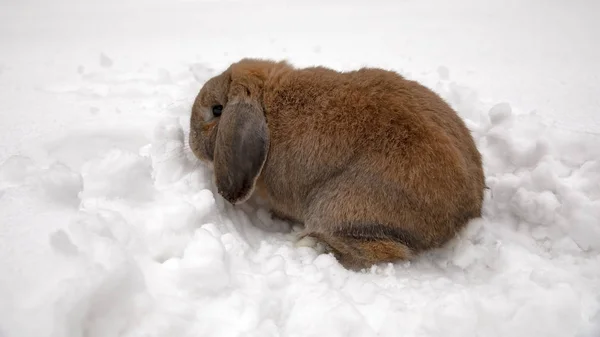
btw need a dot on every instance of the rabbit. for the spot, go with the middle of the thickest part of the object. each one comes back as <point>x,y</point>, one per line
<point>378,168</point>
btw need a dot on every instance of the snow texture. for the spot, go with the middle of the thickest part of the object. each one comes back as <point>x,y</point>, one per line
<point>110,227</point>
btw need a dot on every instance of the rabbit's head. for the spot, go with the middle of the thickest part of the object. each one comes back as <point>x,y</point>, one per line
<point>229,129</point>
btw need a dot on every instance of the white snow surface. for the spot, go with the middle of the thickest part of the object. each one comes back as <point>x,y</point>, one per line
<point>110,227</point>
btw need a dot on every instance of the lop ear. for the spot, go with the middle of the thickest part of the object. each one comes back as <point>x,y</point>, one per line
<point>241,150</point>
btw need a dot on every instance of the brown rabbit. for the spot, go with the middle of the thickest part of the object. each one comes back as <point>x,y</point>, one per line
<point>377,167</point>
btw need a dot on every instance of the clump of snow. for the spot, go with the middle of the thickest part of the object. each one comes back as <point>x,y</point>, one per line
<point>499,113</point>
<point>443,72</point>
<point>109,226</point>
<point>61,183</point>
<point>105,61</point>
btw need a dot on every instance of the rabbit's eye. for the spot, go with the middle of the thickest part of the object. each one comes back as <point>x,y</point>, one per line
<point>217,110</point>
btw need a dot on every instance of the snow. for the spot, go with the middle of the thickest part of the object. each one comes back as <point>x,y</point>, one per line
<point>110,227</point>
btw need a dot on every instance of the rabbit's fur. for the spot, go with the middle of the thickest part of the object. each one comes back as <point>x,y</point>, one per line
<point>377,167</point>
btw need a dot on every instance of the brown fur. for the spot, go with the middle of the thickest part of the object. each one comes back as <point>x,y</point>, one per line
<point>376,166</point>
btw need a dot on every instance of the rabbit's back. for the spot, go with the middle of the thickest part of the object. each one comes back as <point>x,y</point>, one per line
<point>322,121</point>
